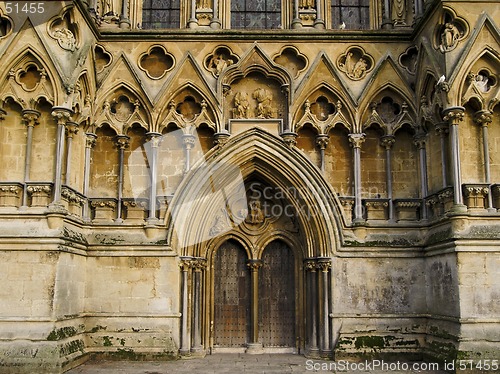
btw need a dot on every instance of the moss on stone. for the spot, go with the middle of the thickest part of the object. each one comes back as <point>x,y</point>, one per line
<point>369,342</point>
<point>62,333</point>
<point>106,341</point>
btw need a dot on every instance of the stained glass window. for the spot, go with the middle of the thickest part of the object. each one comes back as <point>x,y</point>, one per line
<point>161,14</point>
<point>354,13</point>
<point>255,14</point>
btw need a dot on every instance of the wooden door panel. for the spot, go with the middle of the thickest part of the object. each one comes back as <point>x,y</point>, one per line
<point>277,296</point>
<point>231,296</point>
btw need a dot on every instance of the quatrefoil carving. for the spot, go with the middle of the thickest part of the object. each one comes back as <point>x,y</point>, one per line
<point>156,62</point>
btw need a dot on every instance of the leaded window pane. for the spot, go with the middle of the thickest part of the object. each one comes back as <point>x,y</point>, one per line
<point>161,14</point>
<point>354,13</point>
<point>255,14</point>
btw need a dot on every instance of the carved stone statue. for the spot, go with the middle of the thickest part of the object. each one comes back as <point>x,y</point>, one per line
<point>264,101</point>
<point>203,4</point>
<point>241,105</point>
<point>255,214</point>
<point>399,12</point>
<point>219,63</point>
<point>481,82</point>
<point>65,39</point>
<point>108,11</point>
<point>359,68</point>
<point>306,4</point>
<point>449,37</point>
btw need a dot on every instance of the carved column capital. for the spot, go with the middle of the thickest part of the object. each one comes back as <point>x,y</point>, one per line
<point>454,115</point>
<point>442,128</point>
<point>71,129</point>
<point>61,114</point>
<point>199,264</point>
<point>356,140</point>
<point>322,141</point>
<point>254,265</point>
<point>122,141</point>
<point>387,141</point>
<point>90,139</point>
<point>289,138</point>
<point>221,138</point>
<point>483,117</point>
<point>324,264</point>
<point>185,263</point>
<point>31,117</point>
<point>310,265</point>
<point>188,141</point>
<point>154,139</point>
<point>419,140</point>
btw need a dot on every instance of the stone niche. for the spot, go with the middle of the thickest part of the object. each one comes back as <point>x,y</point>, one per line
<point>255,99</point>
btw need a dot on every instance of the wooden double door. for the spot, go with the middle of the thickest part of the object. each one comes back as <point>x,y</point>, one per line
<point>261,294</point>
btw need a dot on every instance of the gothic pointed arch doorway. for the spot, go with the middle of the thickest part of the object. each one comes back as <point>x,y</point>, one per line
<point>216,234</point>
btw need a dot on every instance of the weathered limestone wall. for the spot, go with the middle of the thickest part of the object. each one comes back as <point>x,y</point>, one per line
<point>373,172</point>
<point>132,303</point>
<point>471,147</point>
<point>404,165</point>
<point>338,161</point>
<point>371,294</point>
<point>104,165</point>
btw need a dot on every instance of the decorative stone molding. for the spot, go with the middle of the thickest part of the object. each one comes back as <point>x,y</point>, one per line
<point>31,117</point>
<point>39,194</point>
<point>454,115</point>
<point>420,140</point>
<point>324,264</point>
<point>73,201</point>
<point>476,195</point>
<point>104,209</point>
<point>310,265</point>
<point>408,59</point>
<point>483,117</point>
<point>90,140</point>
<point>440,202</point>
<point>289,138</point>
<point>199,264</point>
<point>387,141</point>
<point>407,209</point>
<point>322,141</point>
<point>348,206</point>
<point>122,141</point>
<point>376,209</point>
<point>10,194</point>
<point>64,32</point>
<point>254,265</point>
<point>135,210</point>
<point>356,140</point>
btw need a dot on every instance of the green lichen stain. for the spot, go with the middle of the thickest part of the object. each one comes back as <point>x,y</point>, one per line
<point>122,341</point>
<point>106,341</point>
<point>98,328</point>
<point>369,342</point>
<point>62,333</point>
<point>72,347</point>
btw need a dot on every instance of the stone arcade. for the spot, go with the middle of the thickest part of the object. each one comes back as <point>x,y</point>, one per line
<point>192,177</point>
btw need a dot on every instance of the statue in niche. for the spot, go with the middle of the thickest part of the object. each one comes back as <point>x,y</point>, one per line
<point>203,4</point>
<point>219,63</point>
<point>65,39</point>
<point>306,4</point>
<point>255,214</point>
<point>481,83</point>
<point>399,12</point>
<point>108,11</point>
<point>449,37</point>
<point>241,105</point>
<point>264,101</point>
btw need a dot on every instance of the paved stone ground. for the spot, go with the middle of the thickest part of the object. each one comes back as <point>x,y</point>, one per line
<point>237,363</point>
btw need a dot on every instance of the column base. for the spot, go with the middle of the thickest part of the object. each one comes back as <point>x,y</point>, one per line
<point>184,352</point>
<point>254,349</point>
<point>198,351</point>
<point>313,353</point>
<point>458,208</point>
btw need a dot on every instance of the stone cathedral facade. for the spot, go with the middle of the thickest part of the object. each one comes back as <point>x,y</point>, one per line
<point>184,177</point>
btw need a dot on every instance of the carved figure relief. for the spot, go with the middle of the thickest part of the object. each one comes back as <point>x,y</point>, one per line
<point>451,31</point>
<point>241,105</point>
<point>255,214</point>
<point>306,4</point>
<point>107,11</point>
<point>63,31</point>
<point>203,4</point>
<point>264,101</point>
<point>220,59</point>
<point>355,63</point>
<point>483,81</point>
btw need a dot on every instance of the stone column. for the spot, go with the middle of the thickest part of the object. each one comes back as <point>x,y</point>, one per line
<point>386,17</point>
<point>154,140</point>
<point>31,119</point>
<point>420,140</point>
<point>90,139</point>
<point>312,306</point>
<point>198,265</point>
<point>185,265</point>
<point>122,142</point>
<point>71,130</point>
<point>296,22</point>
<point>124,20</point>
<point>188,141</point>
<point>387,141</point>
<point>324,265</point>
<point>215,22</point>
<point>319,22</point>
<point>254,346</point>
<point>442,129</point>
<point>321,143</point>
<point>483,118</point>
<point>193,22</point>
<point>453,116</point>
<point>419,9</point>
<point>356,140</point>
<point>61,115</point>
